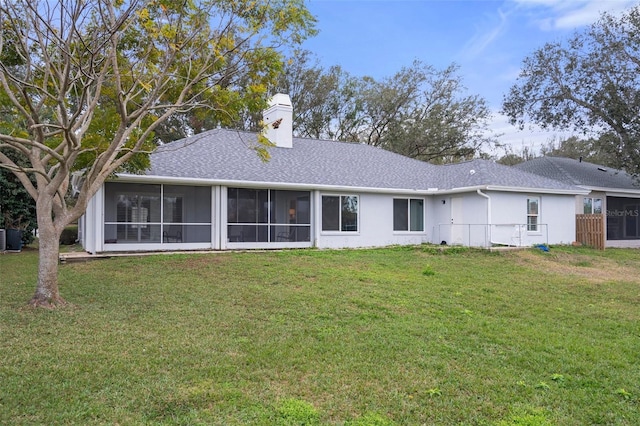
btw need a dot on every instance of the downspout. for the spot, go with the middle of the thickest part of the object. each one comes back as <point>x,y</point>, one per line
<point>316,220</point>
<point>482,194</point>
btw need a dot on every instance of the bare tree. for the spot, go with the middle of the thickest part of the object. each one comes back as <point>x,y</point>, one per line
<point>86,83</point>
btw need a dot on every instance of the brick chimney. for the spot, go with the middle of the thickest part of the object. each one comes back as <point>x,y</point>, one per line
<point>278,119</point>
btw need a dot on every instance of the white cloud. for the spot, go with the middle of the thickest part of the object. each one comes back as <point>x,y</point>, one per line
<point>531,137</point>
<point>476,45</point>
<point>570,14</point>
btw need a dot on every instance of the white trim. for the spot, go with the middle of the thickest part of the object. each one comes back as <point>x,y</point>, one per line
<point>267,246</point>
<point>424,216</point>
<point>533,190</point>
<point>340,231</point>
<point>268,185</point>
<point>623,194</point>
<point>611,190</point>
<point>537,215</point>
<point>216,217</point>
<point>155,247</point>
<point>341,188</point>
<point>317,225</point>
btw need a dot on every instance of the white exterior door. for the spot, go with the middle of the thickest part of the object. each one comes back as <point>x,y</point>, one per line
<point>457,226</point>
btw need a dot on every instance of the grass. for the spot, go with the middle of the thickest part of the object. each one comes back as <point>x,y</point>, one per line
<point>396,336</point>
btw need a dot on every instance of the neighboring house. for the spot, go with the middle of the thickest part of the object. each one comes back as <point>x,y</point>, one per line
<point>613,193</point>
<point>211,191</point>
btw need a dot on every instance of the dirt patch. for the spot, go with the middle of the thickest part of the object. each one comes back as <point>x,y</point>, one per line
<point>589,268</point>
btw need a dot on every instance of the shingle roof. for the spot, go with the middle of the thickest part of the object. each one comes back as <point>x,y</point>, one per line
<point>488,173</point>
<point>581,173</point>
<point>224,155</point>
<point>220,155</point>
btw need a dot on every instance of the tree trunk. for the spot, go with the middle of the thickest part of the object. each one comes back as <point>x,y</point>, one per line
<point>47,294</point>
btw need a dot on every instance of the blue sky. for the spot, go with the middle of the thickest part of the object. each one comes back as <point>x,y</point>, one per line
<point>488,40</point>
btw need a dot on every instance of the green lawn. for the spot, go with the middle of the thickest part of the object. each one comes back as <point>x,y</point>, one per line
<point>399,336</point>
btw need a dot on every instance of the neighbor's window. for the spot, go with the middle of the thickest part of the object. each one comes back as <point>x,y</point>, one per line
<point>340,213</point>
<point>408,214</point>
<point>533,213</point>
<point>592,205</point>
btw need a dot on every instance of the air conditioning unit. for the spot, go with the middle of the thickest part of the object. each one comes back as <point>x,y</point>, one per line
<point>3,240</point>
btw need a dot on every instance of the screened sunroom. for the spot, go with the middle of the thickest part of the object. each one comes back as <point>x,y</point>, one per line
<point>137,213</point>
<point>268,216</point>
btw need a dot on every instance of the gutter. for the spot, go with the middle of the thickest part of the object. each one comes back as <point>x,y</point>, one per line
<point>338,188</point>
<point>576,191</point>
<point>616,192</point>
<point>272,185</point>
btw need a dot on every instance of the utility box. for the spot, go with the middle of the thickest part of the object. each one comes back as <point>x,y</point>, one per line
<point>14,240</point>
<point>3,240</point>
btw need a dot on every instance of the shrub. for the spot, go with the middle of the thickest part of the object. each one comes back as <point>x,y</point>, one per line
<point>69,235</point>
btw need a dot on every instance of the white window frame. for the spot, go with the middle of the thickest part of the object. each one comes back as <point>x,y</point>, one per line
<point>533,228</point>
<point>592,202</point>
<point>340,209</point>
<point>408,230</point>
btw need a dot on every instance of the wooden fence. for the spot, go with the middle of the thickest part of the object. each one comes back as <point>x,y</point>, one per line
<point>590,230</point>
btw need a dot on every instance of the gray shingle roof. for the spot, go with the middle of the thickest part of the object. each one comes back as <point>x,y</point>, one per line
<point>580,173</point>
<point>224,155</point>
<point>488,173</point>
<point>219,155</point>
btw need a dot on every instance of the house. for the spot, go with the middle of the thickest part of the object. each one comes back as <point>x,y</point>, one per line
<point>612,193</point>
<point>211,191</point>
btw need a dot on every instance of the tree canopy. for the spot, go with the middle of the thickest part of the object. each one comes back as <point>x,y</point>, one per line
<point>85,86</point>
<point>589,83</point>
<point>571,147</point>
<point>420,111</point>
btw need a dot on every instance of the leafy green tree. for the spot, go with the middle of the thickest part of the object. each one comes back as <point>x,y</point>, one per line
<point>433,119</point>
<point>420,111</point>
<point>590,83</point>
<point>327,103</point>
<point>86,84</point>
<point>513,157</point>
<point>17,208</point>
<point>573,147</point>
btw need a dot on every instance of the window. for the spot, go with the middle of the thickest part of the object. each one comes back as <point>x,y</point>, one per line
<point>340,213</point>
<point>592,205</point>
<point>533,213</point>
<point>408,214</point>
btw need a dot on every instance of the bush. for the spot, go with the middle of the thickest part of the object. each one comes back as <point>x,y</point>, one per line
<point>69,235</point>
<point>17,208</point>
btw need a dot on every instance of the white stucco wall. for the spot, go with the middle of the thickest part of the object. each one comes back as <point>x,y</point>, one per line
<point>375,224</point>
<point>460,219</point>
<point>93,224</point>
<point>456,218</point>
<point>556,218</point>
<point>438,216</point>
